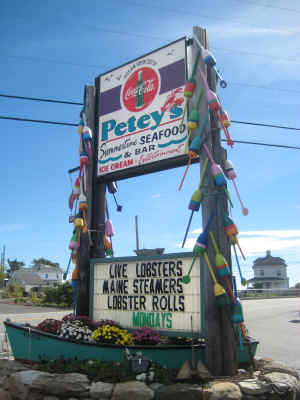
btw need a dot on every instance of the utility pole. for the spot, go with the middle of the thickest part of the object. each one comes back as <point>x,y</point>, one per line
<point>221,350</point>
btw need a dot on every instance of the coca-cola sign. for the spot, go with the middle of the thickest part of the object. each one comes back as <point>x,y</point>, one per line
<point>140,89</point>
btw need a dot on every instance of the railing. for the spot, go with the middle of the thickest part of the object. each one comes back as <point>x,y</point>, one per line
<point>268,293</point>
<point>5,350</point>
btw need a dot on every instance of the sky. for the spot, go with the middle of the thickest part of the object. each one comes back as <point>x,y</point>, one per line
<point>52,49</point>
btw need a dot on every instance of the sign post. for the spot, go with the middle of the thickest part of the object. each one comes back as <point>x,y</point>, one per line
<point>138,110</point>
<point>220,338</point>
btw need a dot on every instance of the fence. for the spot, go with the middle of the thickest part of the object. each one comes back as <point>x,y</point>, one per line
<point>268,293</point>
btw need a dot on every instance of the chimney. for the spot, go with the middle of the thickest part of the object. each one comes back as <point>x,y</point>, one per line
<point>268,253</point>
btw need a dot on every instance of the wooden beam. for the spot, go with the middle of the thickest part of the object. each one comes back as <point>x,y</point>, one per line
<point>221,344</point>
<point>85,240</point>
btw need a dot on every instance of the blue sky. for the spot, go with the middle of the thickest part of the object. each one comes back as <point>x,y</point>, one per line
<point>52,49</point>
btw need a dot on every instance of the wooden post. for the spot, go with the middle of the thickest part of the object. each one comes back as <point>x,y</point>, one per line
<point>99,190</point>
<point>221,344</point>
<point>85,243</point>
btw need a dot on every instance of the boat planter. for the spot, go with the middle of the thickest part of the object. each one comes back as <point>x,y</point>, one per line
<point>30,344</point>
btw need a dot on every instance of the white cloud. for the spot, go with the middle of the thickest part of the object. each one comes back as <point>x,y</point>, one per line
<point>274,233</point>
<point>230,31</point>
<point>156,196</point>
<point>11,228</point>
<point>257,242</point>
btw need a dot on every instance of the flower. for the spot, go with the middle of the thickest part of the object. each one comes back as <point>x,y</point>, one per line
<point>83,318</point>
<point>76,330</point>
<point>112,334</point>
<point>50,325</point>
<point>146,336</point>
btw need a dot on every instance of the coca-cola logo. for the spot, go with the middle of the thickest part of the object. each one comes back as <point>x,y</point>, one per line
<point>140,89</point>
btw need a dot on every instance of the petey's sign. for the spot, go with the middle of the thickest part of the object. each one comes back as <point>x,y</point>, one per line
<point>148,292</point>
<point>140,110</point>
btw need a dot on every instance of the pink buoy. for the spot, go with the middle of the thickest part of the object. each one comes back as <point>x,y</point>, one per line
<point>225,123</point>
<point>231,174</point>
<point>213,102</point>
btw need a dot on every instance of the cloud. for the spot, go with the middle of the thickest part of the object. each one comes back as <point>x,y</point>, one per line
<point>230,31</point>
<point>156,196</point>
<point>255,243</point>
<point>11,228</point>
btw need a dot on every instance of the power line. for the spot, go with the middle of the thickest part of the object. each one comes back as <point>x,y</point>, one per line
<point>252,53</point>
<point>264,87</point>
<point>266,125</point>
<point>40,99</point>
<point>223,140</point>
<point>49,61</point>
<point>37,121</point>
<point>214,17</point>
<point>264,144</point>
<point>269,6</point>
<point>139,35</point>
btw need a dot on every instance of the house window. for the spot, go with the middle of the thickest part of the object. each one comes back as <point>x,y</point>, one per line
<point>262,272</point>
<point>46,276</point>
<point>278,273</point>
<point>57,276</point>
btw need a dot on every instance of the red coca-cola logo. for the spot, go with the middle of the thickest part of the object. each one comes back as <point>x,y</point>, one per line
<point>140,89</point>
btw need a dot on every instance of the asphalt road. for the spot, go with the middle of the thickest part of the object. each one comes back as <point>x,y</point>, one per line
<point>22,314</point>
<point>275,323</point>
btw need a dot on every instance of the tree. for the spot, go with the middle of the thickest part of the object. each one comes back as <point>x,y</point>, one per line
<point>257,285</point>
<point>43,261</point>
<point>297,286</point>
<point>15,264</point>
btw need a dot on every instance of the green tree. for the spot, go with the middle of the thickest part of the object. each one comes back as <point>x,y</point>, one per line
<point>61,295</point>
<point>3,275</point>
<point>14,265</point>
<point>297,286</point>
<point>43,261</point>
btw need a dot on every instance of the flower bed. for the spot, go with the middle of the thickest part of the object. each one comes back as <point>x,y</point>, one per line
<point>82,328</point>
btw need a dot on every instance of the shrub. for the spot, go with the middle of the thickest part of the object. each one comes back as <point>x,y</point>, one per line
<point>34,299</point>
<point>16,290</point>
<point>60,294</point>
<point>113,335</point>
<point>4,294</point>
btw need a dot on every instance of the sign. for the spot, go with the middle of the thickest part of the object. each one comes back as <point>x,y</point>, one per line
<point>148,292</point>
<point>140,110</point>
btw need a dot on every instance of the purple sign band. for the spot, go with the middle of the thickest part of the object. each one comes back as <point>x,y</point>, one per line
<point>172,76</point>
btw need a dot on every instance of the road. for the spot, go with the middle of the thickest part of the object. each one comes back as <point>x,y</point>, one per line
<point>22,314</point>
<point>268,320</point>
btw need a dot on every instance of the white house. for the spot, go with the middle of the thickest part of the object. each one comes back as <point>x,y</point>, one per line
<point>270,272</point>
<point>26,278</point>
<point>51,276</point>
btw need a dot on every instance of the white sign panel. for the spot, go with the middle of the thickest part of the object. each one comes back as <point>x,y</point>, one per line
<point>148,293</point>
<point>140,109</point>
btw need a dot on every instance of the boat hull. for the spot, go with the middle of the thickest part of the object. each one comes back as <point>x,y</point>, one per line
<point>29,344</point>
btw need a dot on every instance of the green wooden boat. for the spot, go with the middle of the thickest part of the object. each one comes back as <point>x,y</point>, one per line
<point>30,344</point>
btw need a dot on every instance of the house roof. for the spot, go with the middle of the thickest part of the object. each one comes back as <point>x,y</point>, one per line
<point>268,260</point>
<point>26,277</point>
<point>266,279</point>
<point>45,268</point>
